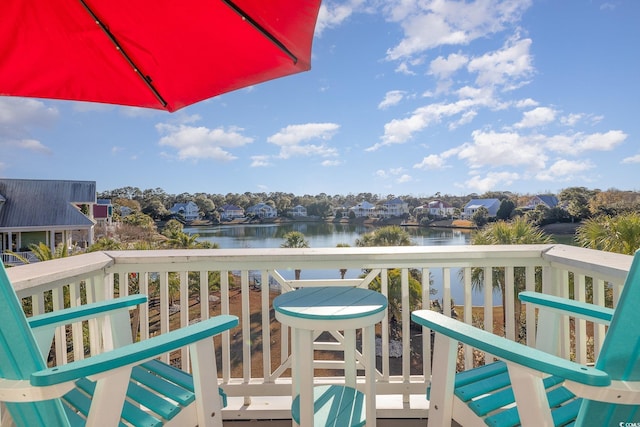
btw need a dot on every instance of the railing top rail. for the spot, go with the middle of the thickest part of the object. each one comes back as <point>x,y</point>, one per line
<point>52,273</point>
<point>606,265</point>
<point>369,257</point>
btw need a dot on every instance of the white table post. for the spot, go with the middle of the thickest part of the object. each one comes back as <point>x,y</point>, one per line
<point>332,309</point>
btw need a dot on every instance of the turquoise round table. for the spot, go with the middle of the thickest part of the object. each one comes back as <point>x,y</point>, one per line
<point>332,308</point>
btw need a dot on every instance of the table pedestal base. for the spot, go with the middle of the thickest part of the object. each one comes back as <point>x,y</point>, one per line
<point>334,405</point>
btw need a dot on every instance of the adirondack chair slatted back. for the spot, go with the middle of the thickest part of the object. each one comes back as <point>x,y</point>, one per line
<point>20,356</point>
<point>620,355</point>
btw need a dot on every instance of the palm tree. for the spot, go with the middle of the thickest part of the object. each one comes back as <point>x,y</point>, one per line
<point>517,232</point>
<point>394,296</point>
<point>105,244</point>
<point>391,235</point>
<point>183,240</point>
<point>343,271</point>
<point>295,239</point>
<point>620,234</point>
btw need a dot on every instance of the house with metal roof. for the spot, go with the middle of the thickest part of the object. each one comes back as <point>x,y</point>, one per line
<point>395,207</point>
<point>492,205</point>
<point>47,211</point>
<point>262,210</point>
<point>230,212</point>
<point>363,209</point>
<point>547,200</point>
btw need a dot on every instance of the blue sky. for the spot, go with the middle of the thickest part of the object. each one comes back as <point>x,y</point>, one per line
<point>405,97</point>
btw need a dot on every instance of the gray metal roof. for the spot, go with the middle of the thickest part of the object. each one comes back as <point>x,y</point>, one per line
<point>44,203</point>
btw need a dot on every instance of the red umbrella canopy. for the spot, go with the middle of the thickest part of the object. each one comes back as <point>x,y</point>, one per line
<point>163,54</point>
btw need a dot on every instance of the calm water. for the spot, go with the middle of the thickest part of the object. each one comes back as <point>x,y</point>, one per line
<point>329,235</point>
<point>318,234</point>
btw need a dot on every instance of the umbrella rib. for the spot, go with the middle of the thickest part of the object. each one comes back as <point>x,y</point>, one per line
<point>261,29</point>
<point>136,69</point>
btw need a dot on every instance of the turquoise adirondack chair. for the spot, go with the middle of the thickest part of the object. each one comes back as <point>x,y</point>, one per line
<point>531,387</point>
<point>93,391</point>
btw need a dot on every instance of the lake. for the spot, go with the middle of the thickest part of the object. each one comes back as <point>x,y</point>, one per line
<point>318,234</point>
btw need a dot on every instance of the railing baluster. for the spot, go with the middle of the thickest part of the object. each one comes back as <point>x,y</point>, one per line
<point>509,312</point>
<point>467,315</point>
<point>265,293</point>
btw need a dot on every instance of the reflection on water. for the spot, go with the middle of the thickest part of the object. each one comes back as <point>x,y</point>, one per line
<point>318,234</point>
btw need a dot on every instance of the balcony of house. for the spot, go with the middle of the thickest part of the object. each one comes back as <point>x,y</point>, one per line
<point>254,359</point>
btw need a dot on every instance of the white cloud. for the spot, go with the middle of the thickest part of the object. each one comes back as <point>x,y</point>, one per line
<point>391,98</point>
<point>571,119</point>
<point>332,14</point>
<point>492,149</point>
<point>508,67</point>
<point>331,163</point>
<point>403,68</point>
<point>290,140</point>
<point>563,170</point>
<point>398,175</point>
<point>260,161</point>
<point>632,159</point>
<point>431,162</point>
<point>399,131</point>
<point>491,181</point>
<point>578,143</point>
<point>17,116</point>
<point>201,142</point>
<point>526,103</point>
<point>430,24</point>
<point>443,68</point>
<point>537,117</point>
<point>465,118</point>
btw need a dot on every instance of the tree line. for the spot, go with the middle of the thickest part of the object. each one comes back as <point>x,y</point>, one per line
<point>576,203</point>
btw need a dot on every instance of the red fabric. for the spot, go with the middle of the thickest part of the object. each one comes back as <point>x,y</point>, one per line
<point>191,49</point>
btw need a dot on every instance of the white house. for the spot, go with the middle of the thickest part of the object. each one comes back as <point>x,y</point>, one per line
<point>363,209</point>
<point>230,212</point>
<point>436,209</point>
<point>395,207</point>
<point>262,210</point>
<point>492,205</point>
<point>189,211</point>
<point>298,211</point>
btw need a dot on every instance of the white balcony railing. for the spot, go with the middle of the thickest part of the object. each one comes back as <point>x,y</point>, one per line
<point>256,376</point>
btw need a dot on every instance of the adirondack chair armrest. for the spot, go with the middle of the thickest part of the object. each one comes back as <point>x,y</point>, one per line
<point>510,351</point>
<point>569,307</point>
<point>619,392</point>
<point>84,312</point>
<point>134,354</point>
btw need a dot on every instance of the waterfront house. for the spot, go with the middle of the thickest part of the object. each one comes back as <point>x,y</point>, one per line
<point>189,211</point>
<point>363,209</point>
<point>298,211</point>
<point>395,208</point>
<point>46,211</point>
<point>436,209</point>
<point>262,210</point>
<point>492,205</point>
<point>231,212</point>
<point>547,200</point>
